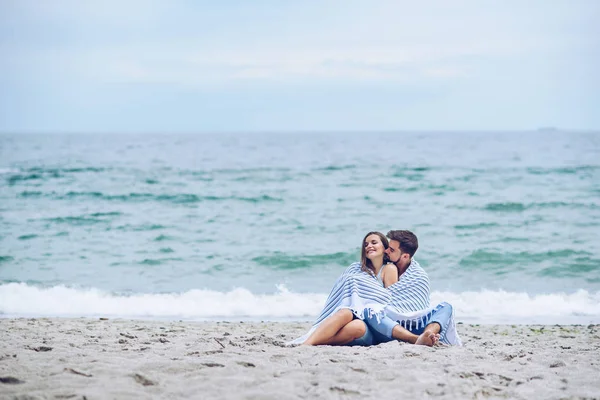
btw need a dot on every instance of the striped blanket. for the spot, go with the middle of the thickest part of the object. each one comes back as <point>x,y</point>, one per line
<point>407,301</point>
<point>411,292</point>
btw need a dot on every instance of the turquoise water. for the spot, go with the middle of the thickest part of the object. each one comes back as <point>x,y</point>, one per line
<point>261,224</point>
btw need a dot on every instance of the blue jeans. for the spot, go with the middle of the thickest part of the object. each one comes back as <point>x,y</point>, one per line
<point>382,328</point>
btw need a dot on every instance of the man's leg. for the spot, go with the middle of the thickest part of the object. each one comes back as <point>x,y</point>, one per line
<point>437,324</point>
<point>427,338</point>
<point>404,335</point>
<point>386,329</point>
<point>330,328</point>
<point>430,335</point>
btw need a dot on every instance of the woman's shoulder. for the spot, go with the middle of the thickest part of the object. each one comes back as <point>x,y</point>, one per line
<point>390,274</point>
<point>390,266</point>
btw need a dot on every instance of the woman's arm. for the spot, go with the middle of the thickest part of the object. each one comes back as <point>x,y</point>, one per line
<point>389,275</point>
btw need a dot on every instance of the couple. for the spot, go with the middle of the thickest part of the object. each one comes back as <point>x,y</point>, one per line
<point>374,302</point>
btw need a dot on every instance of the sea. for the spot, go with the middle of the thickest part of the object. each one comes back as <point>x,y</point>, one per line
<point>257,226</point>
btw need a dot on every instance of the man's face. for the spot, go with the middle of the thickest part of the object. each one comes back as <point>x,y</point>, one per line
<point>393,251</point>
<point>396,255</point>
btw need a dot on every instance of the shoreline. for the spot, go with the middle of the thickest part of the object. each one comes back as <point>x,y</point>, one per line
<point>91,358</point>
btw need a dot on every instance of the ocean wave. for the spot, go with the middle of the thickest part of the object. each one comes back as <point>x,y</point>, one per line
<point>331,168</point>
<point>159,261</point>
<point>505,207</point>
<point>563,170</point>
<point>488,306</point>
<point>580,266</point>
<point>20,299</point>
<point>211,174</point>
<point>438,189</point>
<point>162,238</point>
<point>76,221</point>
<point>178,198</point>
<point>28,236</point>
<point>14,179</point>
<point>519,207</point>
<point>44,170</point>
<point>61,301</point>
<point>9,171</point>
<point>411,169</point>
<point>43,173</point>
<point>245,170</point>
<point>282,261</point>
<point>140,228</point>
<point>481,225</point>
<point>571,262</point>
<point>413,177</point>
<point>107,214</point>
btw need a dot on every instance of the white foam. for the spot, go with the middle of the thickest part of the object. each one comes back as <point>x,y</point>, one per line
<point>489,306</point>
<point>19,299</point>
<point>9,171</point>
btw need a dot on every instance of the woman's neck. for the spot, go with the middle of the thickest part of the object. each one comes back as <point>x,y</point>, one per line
<point>377,263</point>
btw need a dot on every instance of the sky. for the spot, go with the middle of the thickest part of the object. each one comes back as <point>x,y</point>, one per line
<point>200,66</point>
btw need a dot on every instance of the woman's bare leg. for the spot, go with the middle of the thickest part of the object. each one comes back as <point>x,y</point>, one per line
<point>330,328</point>
<point>351,331</point>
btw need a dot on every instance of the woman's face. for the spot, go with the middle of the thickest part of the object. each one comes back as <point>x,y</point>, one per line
<point>373,247</point>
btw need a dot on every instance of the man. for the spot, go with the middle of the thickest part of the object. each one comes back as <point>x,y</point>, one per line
<point>409,317</point>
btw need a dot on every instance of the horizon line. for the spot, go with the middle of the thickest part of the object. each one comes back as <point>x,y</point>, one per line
<point>288,131</point>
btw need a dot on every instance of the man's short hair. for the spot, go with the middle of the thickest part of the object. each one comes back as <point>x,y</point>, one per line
<point>408,241</point>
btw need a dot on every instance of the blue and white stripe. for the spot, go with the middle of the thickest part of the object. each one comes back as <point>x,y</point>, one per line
<point>357,291</point>
<point>411,292</point>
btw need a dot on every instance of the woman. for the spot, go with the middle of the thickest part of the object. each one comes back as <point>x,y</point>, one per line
<point>357,293</point>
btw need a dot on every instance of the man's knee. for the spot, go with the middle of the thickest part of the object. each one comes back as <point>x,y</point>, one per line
<point>440,318</point>
<point>433,327</point>
<point>447,307</point>
<point>446,311</point>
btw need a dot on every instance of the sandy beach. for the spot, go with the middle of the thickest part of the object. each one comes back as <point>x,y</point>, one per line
<point>118,359</point>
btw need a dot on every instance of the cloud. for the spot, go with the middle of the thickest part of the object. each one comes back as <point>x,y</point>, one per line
<point>302,60</point>
<point>387,41</point>
<point>86,13</point>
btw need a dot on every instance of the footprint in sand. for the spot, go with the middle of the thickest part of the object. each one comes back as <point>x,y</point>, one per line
<point>10,380</point>
<point>142,380</point>
<point>246,364</point>
<point>212,365</point>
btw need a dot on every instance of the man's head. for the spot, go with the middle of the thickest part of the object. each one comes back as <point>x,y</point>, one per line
<point>402,247</point>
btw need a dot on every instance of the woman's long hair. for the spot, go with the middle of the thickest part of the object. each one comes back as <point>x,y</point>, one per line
<point>365,264</point>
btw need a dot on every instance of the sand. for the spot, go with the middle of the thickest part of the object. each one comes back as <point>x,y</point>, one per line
<point>121,359</point>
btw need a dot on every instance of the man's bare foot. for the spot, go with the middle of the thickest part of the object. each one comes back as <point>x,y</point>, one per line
<point>428,339</point>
